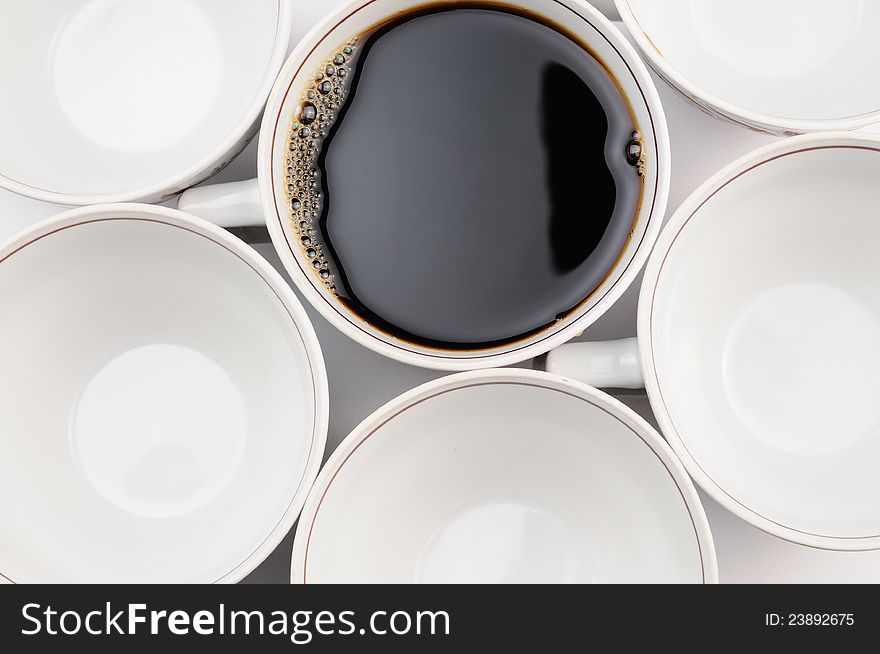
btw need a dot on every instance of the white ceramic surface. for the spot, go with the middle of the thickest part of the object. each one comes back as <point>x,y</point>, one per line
<point>784,66</point>
<point>118,100</point>
<point>163,401</point>
<point>229,204</point>
<point>758,333</point>
<point>503,477</point>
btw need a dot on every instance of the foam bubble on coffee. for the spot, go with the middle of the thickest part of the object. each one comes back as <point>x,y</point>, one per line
<point>313,118</point>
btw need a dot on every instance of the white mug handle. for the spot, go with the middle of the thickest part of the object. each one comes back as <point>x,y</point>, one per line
<point>234,204</point>
<point>605,364</point>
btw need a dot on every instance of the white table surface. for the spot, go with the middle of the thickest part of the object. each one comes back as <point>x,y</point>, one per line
<point>361,381</point>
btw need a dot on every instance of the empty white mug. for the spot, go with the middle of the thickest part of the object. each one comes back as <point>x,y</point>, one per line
<point>163,401</point>
<point>758,339</point>
<point>122,100</point>
<point>503,476</point>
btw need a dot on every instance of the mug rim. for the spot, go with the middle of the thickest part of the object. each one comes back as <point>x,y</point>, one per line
<point>510,376</point>
<point>689,209</point>
<point>209,164</point>
<point>628,269</point>
<point>300,321</point>
<point>730,111</point>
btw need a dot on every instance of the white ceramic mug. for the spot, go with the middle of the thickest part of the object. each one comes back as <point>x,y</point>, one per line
<point>163,401</point>
<point>122,100</point>
<point>503,476</point>
<point>265,200</point>
<point>779,66</point>
<point>758,339</point>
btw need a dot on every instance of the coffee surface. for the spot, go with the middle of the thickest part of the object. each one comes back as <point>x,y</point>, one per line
<point>478,182</point>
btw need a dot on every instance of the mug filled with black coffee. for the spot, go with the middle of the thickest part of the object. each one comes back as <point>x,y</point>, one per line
<point>460,185</point>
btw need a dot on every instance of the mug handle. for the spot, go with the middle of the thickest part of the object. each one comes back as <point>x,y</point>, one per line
<point>603,364</point>
<point>234,204</point>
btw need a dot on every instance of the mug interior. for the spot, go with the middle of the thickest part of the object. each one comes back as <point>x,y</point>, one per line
<point>158,404</point>
<point>763,326</point>
<point>501,478</point>
<point>110,97</point>
<point>358,18</point>
<point>788,59</point>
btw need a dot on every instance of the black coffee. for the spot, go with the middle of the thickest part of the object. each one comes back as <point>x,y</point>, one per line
<point>464,178</point>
